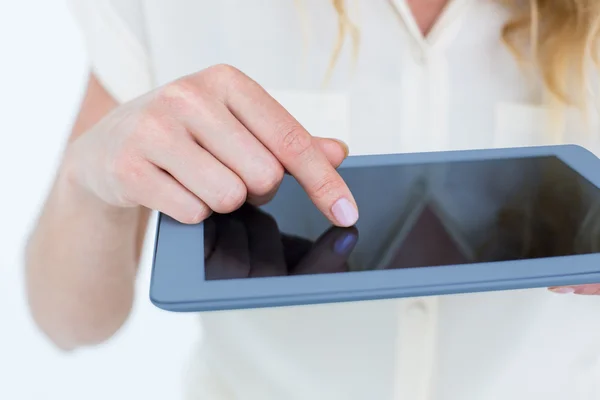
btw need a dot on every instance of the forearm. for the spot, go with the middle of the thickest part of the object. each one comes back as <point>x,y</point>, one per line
<point>81,263</point>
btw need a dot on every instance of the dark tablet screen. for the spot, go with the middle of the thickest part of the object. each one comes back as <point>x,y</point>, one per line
<point>413,216</point>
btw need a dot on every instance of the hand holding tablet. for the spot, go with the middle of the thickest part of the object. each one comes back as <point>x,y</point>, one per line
<point>451,237</point>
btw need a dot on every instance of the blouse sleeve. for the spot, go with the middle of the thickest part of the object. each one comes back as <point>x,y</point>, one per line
<point>115,40</point>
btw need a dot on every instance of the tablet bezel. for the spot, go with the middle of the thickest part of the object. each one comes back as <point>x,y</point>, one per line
<point>177,280</point>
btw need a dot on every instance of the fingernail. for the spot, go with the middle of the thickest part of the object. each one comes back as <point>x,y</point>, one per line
<point>344,243</point>
<point>563,290</point>
<point>344,212</point>
<point>344,146</point>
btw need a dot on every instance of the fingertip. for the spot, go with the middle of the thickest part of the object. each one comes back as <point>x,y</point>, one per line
<point>345,212</point>
<point>195,214</point>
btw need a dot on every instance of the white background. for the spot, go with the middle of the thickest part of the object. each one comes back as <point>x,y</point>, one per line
<point>42,73</point>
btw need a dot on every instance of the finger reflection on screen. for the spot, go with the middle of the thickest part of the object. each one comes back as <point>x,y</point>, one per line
<point>248,244</point>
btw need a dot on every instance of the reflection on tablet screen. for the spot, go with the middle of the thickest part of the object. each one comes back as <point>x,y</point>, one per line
<point>413,216</point>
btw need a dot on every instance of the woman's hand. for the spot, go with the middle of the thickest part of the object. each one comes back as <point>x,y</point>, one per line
<point>593,289</point>
<point>206,142</point>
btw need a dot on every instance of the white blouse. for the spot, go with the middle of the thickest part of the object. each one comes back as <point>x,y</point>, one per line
<point>459,88</point>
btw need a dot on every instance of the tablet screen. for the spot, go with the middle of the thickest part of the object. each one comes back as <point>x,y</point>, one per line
<point>413,216</point>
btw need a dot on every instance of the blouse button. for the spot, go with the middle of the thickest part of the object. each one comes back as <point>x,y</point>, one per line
<point>417,308</point>
<point>422,57</point>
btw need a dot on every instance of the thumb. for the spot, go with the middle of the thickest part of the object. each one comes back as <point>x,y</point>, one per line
<point>593,289</point>
<point>335,150</point>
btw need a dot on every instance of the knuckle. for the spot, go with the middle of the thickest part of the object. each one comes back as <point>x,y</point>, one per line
<point>326,186</point>
<point>294,140</point>
<point>179,95</point>
<point>223,70</point>
<point>231,198</point>
<point>221,78</point>
<point>268,180</point>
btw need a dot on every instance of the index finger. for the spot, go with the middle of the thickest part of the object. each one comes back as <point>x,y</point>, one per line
<point>293,146</point>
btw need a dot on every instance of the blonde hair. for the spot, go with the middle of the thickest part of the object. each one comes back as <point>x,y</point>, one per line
<point>562,40</point>
<point>345,26</point>
<point>557,38</point>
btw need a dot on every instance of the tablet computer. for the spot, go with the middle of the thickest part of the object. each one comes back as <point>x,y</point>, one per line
<point>430,224</point>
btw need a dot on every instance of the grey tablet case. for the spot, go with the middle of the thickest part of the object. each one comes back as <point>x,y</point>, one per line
<point>178,276</point>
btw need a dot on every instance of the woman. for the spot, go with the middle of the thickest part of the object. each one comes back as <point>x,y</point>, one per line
<point>168,124</point>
